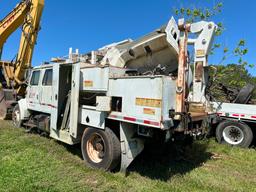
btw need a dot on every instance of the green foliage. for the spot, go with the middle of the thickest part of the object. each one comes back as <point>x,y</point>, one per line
<point>196,14</point>
<point>232,76</point>
<point>238,52</point>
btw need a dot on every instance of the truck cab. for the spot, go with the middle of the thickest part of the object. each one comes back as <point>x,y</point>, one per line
<point>39,91</point>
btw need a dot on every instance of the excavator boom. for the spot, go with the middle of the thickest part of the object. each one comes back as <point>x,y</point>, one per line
<point>28,40</point>
<point>27,15</point>
<point>12,21</point>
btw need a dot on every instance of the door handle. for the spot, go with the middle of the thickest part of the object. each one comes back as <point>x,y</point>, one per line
<point>56,96</point>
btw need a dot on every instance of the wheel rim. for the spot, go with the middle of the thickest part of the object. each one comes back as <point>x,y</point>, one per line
<point>16,117</point>
<point>95,148</point>
<point>233,135</point>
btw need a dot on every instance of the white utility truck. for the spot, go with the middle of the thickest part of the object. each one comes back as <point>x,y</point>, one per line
<point>112,99</point>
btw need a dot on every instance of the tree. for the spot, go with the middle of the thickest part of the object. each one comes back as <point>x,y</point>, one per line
<point>232,77</point>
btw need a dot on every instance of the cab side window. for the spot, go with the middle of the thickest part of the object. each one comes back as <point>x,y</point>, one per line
<point>47,80</point>
<point>35,78</point>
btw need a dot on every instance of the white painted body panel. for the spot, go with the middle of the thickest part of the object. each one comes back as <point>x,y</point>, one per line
<point>130,89</point>
<point>92,118</point>
<point>24,112</point>
<point>238,111</point>
<point>147,89</point>
<point>96,78</point>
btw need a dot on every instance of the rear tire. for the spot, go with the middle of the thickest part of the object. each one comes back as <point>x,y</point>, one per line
<point>101,149</point>
<point>16,118</point>
<point>234,133</point>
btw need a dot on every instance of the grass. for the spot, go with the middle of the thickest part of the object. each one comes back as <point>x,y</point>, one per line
<point>29,162</point>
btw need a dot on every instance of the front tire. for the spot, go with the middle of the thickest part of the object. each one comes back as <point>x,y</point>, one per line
<point>16,118</point>
<point>234,133</point>
<point>101,149</point>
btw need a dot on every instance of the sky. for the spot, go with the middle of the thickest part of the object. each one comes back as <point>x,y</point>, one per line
<point>88,25</point>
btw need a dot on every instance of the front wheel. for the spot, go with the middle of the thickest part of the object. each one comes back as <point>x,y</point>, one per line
<point>234,133</point>
<point>101,148</point>
<point>16,118</point>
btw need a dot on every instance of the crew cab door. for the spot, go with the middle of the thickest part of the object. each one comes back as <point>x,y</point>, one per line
<point>45,97</point>
<point>33,91</point>
<point>75,86</point>
<point>55,94</point>
<point>61,86</point>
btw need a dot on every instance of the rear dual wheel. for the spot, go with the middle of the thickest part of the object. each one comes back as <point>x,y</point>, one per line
<point>101,149</point>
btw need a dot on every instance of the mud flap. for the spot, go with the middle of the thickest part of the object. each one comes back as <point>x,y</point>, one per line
<point>130,147</point>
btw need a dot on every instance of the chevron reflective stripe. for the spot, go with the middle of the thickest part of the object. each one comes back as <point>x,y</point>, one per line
<point>45,104</point>
<point>135,120</point>
<point>237,115</point>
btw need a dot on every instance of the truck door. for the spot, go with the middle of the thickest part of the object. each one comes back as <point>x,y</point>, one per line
<point>55,93</point>
<point>75,99</point>
<point>46,92</point>
<point>33,90</point>
<point>61,86</point>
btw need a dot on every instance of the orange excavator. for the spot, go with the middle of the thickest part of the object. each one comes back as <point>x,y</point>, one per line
<point>27,15</point>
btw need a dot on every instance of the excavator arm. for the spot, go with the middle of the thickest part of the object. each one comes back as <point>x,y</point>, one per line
<point>13,20</point>
<point>30,31</point>
<point>27,15</point>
